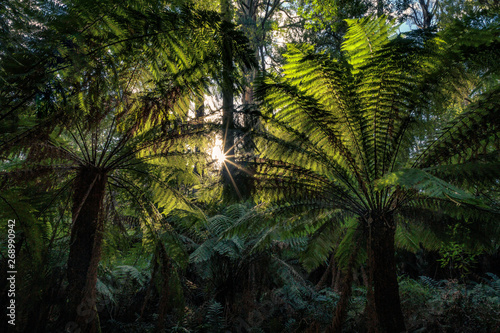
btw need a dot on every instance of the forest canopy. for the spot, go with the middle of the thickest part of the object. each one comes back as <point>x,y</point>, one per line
<point>250,166</point>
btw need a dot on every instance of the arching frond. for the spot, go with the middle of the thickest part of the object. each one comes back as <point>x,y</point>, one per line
<point>472,134</point>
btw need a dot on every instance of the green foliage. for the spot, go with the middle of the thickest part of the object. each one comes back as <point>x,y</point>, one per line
<point>475,129</point>
<point>108,92</point>
<point>426,184</point>
<point>352,150</point>
<point>433,306</point>
<point>304,306</point>
<point>117,288</point>
<point>214,318</point>
<point>321,13</point>
<point>401,126</point>
<point>456,255</point>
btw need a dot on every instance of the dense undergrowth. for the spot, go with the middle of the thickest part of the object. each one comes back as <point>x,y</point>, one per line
<point>207,280</point>
<point>429,306</point>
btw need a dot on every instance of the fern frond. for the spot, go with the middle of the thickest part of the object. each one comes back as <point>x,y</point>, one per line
<point>364,38</point>
<point>473,133</point>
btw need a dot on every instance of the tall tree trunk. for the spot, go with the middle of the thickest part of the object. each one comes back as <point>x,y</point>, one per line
<point>335,285</point>
<point>85,250</point>
<point>384,305</point>
<point>428,9</point>
<point>380,8</point>
<point>244,177</point>
<point>199,113</point>
<point>199,108</point>
<point>253,17</point>
<point>230,189</point>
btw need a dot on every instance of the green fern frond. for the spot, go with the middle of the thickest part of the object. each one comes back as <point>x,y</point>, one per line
<point>126,272</point>
<point>426,184</point>
<point>430,282</point>
<point>105,291</point>
<point>204,252</point>
<point>472,134</point>
<point>364,38</point>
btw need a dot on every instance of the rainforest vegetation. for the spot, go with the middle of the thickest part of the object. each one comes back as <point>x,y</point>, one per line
<point>250,166</point>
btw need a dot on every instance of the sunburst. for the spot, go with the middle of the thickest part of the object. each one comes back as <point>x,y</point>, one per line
<point>217,153</point>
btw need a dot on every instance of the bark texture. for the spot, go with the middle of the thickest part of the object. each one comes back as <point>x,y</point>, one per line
<point>85,250</point>
<point>384,305</point>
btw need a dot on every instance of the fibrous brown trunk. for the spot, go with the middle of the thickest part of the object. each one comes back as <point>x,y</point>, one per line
<point>345,295</point>
<point>341,308</point>
<point>85,250</point>
<point>384,305</point>
<point>165,266</point>
<point>336,281</point>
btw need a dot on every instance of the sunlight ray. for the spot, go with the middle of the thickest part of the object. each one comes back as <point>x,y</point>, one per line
<point>239,167</point>
<point>234,183</point>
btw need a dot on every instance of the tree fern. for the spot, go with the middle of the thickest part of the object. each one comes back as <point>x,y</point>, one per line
<point>147,163</point>
<point>341,137</point>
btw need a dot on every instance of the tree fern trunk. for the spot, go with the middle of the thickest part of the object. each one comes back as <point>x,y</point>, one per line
<point>330,270</point>
<point>85,250</point>
<point>384,305</point>
<point>165,266</point>
<point>341,308</point>
<point>335,285</point>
